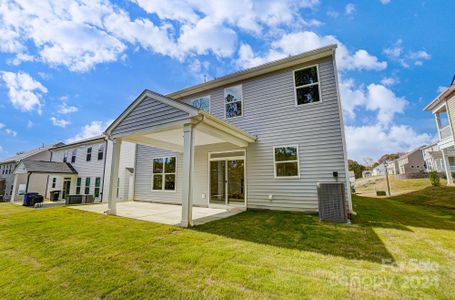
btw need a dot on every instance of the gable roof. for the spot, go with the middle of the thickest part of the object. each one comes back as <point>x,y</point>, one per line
<point>27,154</point>
<point>147,94</point>
<point>269,67</point>
<point>448,92</point>
<point>92,140</point>
<point>40,166</point>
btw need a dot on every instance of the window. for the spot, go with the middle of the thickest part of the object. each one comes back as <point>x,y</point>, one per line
<point>89,154</point>
<point>306,83</point>
<point>101,152</point>
<point>65,156</point>
<point>97,186</point>
<point>164,173</point>
<point>286,161</point>
<point>73,156</point>
<point>203,103</point>
<point>54,182</point>
<point>78,186</point>
<point>87,185</point>
<point>233,101</point>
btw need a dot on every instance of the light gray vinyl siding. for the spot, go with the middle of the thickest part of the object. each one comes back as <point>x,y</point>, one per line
<point>143,181</point>
<point>270,113</point>
<point>93,168</point>
<point>147,114</point>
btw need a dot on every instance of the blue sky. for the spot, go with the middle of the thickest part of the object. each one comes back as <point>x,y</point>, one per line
<point>68,68</point>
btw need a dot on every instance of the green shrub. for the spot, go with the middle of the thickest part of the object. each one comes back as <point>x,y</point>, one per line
<point>435,179</point>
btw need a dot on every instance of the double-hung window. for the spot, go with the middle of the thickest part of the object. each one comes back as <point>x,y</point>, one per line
<point>233,101</point>
<point>73,156</point>
<point>89,154</point>
<point>203,103</point>
<point>97,186</point>
<point>164,173</point>
<point>101,152</point>
<point>286,161</point>
<point>78,186</point>
<point>306,84</point>
<point>87,186</point>
<point>54,182</point>
<point>65,156</point>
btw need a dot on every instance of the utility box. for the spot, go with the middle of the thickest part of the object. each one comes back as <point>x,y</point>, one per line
<point>332,202</point>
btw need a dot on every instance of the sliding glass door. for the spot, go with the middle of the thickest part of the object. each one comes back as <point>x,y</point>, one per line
<point>227,181</point>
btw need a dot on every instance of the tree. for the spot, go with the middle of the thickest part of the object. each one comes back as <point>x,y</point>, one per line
<point>388,157</point>
<point>356,167</point>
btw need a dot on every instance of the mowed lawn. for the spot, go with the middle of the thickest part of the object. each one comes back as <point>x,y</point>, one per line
<point>396,248</point>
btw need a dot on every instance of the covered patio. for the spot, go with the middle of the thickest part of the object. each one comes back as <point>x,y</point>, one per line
<point>157,121</point>
<point>162,213</point>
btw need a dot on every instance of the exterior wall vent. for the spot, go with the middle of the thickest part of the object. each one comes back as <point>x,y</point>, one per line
<point>332,202</point>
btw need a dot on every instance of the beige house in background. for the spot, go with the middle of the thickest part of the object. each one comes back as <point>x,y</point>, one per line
<point>411,164</point>
<point>443,109</point>
<point>8,185</point>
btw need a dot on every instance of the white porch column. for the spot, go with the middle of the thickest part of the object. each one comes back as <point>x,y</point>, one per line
<point>445,160</point>
<point>112,196</point>
<point>13,192</point>
<point>188,153</point>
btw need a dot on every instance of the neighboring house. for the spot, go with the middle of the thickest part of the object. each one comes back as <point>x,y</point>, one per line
<point>260,138</point>
<point>77,168</point>
<point>352,179</point>
<point>392,167</point>
<point>8,165</point>
<point>379,170</point>
<point>433,158</point>
<point>411,163</point>
<point>367,173</point>
<point>443,109</point>
<point>91,160</point>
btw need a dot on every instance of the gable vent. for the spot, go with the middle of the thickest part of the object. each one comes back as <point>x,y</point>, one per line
<point>332,202</point>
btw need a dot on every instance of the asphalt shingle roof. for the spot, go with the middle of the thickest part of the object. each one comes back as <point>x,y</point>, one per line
<point>39,166</point>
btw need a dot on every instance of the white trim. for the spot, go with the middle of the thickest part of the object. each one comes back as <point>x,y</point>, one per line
<point>286,161</point>
<point>226,159</point>
<point>198,98</point>
<point>306,85</point>
<point>164,174</point>
<point>343,135</point>
<point>241,101</point>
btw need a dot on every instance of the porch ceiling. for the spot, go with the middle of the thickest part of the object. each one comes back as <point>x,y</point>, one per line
<point>205,130</point>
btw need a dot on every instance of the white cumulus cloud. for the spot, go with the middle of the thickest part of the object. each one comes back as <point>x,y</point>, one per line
<point>92,129</point>
<point>24,92</point>
<point>59,122</point>
<point>298,42</point>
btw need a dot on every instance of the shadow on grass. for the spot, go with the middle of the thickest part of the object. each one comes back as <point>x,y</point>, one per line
<point>427,208</point>
<point>294,230</point>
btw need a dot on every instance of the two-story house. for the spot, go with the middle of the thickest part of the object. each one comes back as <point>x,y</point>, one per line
<point>8,165</point>
<point>443,109</point>
<point>411,164</point>
<point>90,158</point>
<point>433,158</point>
<point>78,168</point>
<point>260,138</point>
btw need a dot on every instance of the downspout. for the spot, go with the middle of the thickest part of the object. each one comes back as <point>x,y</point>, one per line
<point>28,180</point>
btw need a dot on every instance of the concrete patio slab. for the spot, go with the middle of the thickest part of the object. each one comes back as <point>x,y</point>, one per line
<point>169,214</point>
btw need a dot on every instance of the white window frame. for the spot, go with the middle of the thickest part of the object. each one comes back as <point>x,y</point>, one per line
<point>241,101</point>
<point>306,85</point>
<point>164,173</point>
<point>286,161</point>
<point>198,98</point>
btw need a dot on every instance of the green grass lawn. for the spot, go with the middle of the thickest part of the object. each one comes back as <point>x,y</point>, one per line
<point>397,248</point>
<point>369,186</point>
